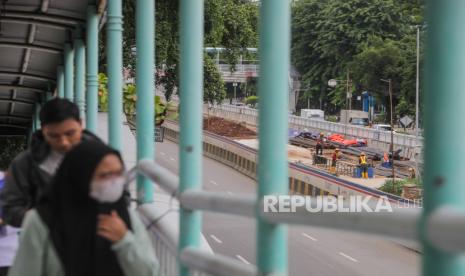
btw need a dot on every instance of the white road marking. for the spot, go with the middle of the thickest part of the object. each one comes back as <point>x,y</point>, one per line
<point>230,193</point>
<point>242,259</point>
<point>216,239</point>
<point>213,182</point>
<point>172,159</point>
<point>348,257</point>
<point>162,153</point>
<point>309,237</point>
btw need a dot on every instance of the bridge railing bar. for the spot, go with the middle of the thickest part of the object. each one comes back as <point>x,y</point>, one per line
<point>400,223</point>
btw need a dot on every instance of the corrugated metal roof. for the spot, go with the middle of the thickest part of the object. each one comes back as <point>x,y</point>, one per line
<point>32,36</point>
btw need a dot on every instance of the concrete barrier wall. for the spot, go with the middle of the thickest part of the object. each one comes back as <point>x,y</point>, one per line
<point>302,179</point>
<point>410,145</point>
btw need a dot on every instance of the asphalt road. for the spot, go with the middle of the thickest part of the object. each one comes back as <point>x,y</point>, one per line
<point>312,250</point>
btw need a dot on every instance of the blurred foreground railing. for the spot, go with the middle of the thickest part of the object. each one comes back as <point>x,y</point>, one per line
<point>445,227</point>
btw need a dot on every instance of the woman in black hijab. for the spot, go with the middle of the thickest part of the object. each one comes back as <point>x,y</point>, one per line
<point>83,225</point>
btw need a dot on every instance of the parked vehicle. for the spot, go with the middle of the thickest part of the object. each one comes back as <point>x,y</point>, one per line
<point>382,127</point>
<point>354,117</point>
<point>312,113</point>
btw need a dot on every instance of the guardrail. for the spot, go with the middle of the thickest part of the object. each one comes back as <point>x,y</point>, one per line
<point>379,139</point>
<point>226,68</point>
<point>444,227</point>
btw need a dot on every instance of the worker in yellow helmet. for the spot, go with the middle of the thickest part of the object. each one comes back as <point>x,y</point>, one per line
<point>412,173</point>
<point>362,161</point>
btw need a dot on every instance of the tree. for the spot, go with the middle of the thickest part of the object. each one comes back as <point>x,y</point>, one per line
<point>252,101</point>
<point>213,90</point>
<point>328,35</point>
<point>230,24</point>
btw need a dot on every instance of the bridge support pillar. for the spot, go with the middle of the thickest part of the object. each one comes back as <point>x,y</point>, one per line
<point>145,38</point>
<point>92,68</point>
<point>115,71</point>
<point>69,72</point>
<point>273,130</point>
<point>444,99</point>
<point>80,67</point>
<point>60,82</point>
<point>191,86</point>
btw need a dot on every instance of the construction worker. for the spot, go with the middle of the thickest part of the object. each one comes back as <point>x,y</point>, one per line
<point>386,161</point>
<point>336,155</point>
<point>362,161</point>
<point>319,144</point>
<point>412,173</point>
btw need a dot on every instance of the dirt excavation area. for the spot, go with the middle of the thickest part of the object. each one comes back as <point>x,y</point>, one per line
<point>228,128</point>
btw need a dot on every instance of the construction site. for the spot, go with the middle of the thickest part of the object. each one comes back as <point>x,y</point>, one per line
<point>302,150</point>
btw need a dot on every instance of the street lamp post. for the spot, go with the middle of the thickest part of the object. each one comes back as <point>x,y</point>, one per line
<point>417,109</point>
<point>333,83</point>
<point>234,85</point>
<point>389,81</point>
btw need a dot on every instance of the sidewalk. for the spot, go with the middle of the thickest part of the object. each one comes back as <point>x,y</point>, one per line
<point>128,141</point>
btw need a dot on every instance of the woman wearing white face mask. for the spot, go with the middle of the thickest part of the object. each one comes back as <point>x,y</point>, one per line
<point>83,225</point>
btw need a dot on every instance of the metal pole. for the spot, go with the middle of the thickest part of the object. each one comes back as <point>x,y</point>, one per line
<point>92,69</point>
<point>37,124</point>
<point>349,95</point>
<point>60,82</point>
<point>392,134</point>
<point>145,38</point>
<point>272,250</point>
<point>191,86</point>
<point>115,71</point>
<point>417,102</point>
<point>80,67</point>
<point>235,99</point>
<point>69,72</point>
<point>444,100</point>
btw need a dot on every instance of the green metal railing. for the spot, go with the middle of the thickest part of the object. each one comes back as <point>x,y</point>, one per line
<point>439,226</point>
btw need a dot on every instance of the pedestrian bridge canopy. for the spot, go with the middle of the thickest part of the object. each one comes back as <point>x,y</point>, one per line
<point>50,49</point>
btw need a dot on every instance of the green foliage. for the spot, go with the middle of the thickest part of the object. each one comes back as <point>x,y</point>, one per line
<point>372,39</point>
<point>9,148</point>
<point>213,90</point>
<point>396,189</point>
<point>228,23</point>
<point>231,24</point>
<point>161,110</point>
<point>250,86</point>
<point>129,99</point>
<point>102,92</point>
<point>251,100</point>
<point>332,118</point>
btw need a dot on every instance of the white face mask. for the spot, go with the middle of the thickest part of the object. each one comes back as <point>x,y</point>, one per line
<point>107,191</point>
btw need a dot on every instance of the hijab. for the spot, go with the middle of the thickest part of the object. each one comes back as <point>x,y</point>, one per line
<point>71,214</point>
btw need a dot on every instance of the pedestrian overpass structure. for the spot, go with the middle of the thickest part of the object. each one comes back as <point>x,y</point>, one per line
<point>50,49</point>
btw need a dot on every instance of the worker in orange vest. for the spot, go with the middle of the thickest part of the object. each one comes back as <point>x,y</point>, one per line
<point>336,155</point>
<point>362,161</point>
